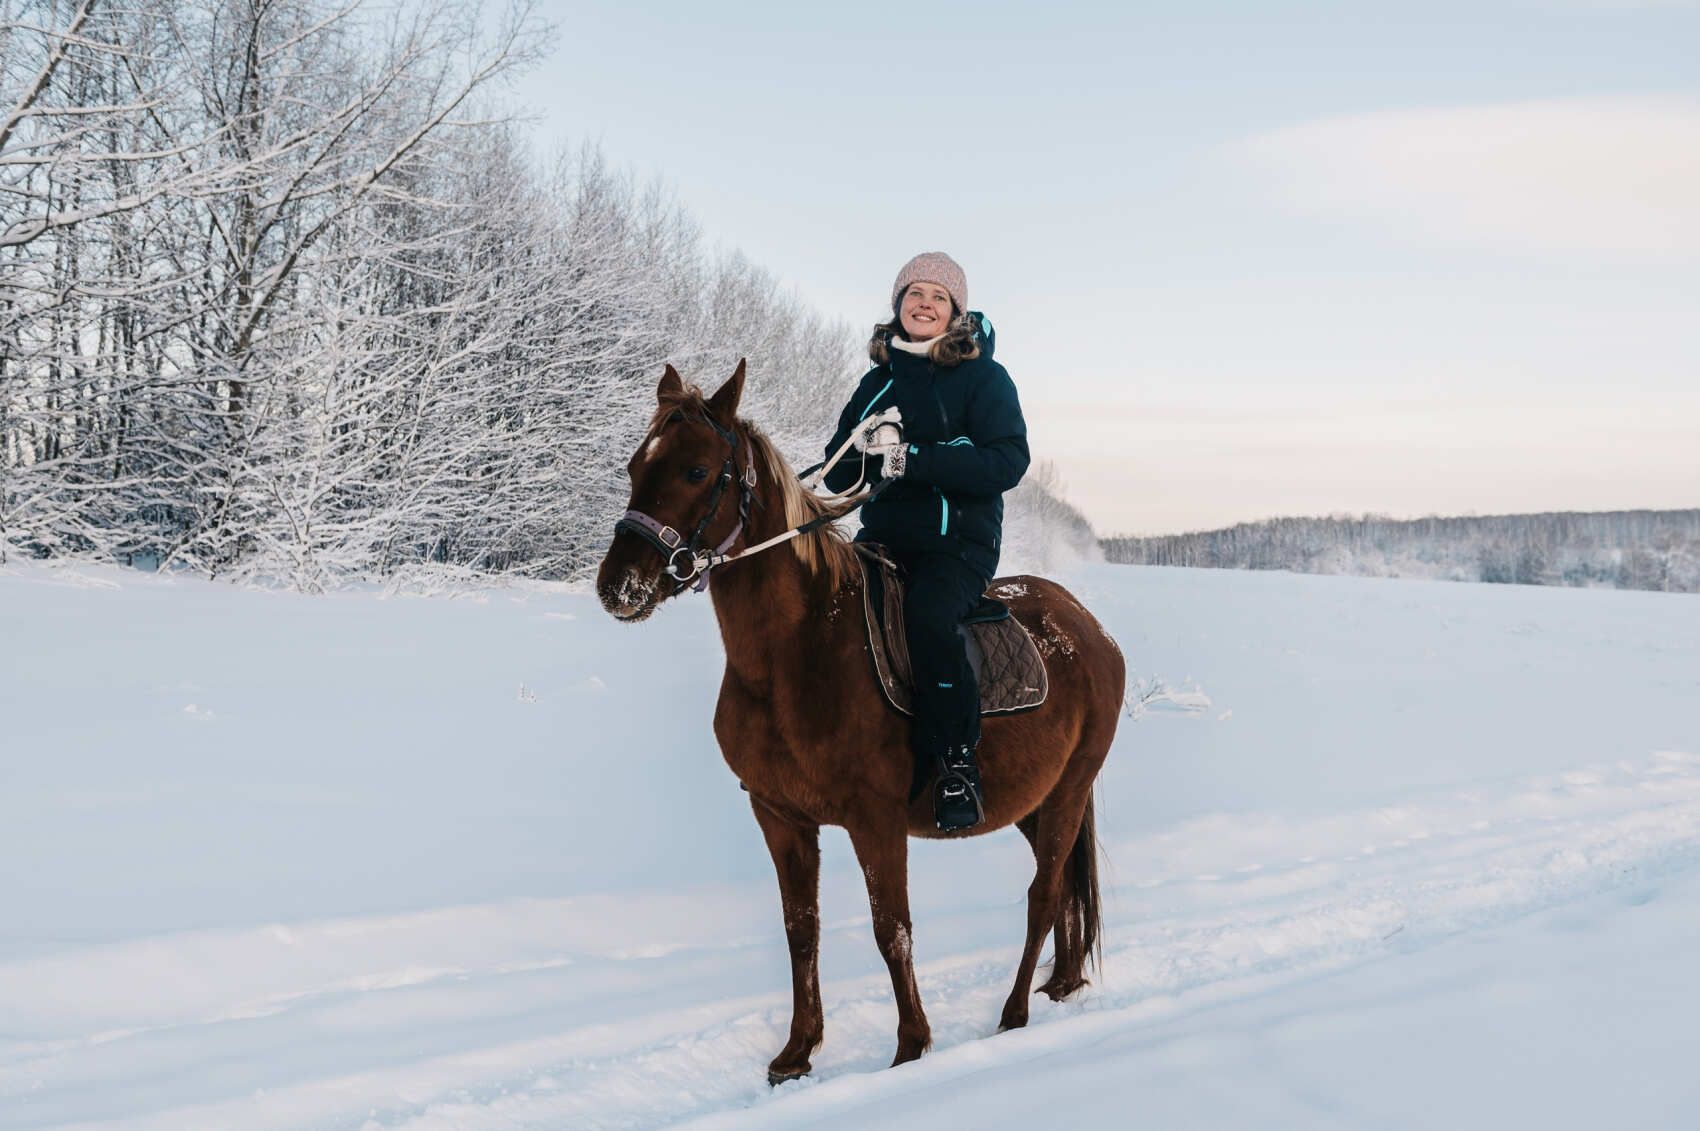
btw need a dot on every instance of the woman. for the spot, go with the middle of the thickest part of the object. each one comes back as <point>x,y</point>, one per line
<point>963,444</point>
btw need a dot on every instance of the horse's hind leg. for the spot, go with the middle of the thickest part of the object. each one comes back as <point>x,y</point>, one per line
<point>881,841</point>
<point>796,858</point>
<point>1055,825</point>
<point>1068,960</point>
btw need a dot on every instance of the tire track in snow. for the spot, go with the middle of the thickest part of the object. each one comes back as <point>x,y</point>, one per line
<point>1210,911</point>
<point>1439,869</point>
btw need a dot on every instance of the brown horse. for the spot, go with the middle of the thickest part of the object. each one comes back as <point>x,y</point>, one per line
<point>801,721</point>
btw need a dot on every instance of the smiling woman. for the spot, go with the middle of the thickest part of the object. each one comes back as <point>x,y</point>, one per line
<point>964,444</point>
<point>925,311</point>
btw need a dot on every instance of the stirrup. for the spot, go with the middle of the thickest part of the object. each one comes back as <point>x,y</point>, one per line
<point>953,795</point>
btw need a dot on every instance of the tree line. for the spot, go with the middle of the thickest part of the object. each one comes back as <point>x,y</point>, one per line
<point>282,298</point>
<point>1640,549</point>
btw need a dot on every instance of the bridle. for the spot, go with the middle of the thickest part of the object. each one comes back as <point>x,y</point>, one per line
<point>672,544</point>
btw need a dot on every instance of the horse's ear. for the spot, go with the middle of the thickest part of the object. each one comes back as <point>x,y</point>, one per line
<point>672,385</point>
<point>724,403</point>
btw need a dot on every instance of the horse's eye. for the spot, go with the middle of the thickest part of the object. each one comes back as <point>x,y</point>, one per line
<point>697,474</point>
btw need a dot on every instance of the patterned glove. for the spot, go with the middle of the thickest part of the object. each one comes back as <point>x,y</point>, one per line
<point>879,430</point>
<point>896,461</point>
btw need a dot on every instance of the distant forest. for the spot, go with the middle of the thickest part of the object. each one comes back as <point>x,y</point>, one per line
<point>1657,550</point>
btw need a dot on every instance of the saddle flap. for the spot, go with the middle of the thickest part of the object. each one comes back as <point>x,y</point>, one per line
<point>1007,665</point>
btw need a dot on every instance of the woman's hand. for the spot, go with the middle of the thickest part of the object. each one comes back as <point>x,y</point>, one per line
<point>896,461</point>
<point>879,431</point>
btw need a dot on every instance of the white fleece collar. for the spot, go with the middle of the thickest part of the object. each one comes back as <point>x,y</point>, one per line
<point>919,349</point>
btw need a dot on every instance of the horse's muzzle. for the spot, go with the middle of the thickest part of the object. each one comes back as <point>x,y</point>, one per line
<point>629,593</point>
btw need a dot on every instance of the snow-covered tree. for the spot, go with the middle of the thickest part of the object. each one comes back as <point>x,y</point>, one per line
<point>284,298</point>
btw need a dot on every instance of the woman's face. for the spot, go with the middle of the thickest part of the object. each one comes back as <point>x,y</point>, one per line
<point>924,311</point>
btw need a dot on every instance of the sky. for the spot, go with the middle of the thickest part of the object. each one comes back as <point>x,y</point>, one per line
<point>1245,259</point>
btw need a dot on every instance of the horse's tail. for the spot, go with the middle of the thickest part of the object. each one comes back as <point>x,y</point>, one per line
<point>1079,913</point>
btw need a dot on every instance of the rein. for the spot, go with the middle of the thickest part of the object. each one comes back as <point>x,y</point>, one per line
<point>707,561</point>
<point>672,544</point>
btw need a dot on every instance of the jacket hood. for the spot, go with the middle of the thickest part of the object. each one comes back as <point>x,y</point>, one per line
<point>984,333</point>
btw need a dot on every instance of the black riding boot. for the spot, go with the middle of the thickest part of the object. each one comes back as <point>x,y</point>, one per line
<point>957,804</point>
<point>941,591</point>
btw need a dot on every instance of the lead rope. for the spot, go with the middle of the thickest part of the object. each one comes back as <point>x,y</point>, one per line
<point>815,476</point>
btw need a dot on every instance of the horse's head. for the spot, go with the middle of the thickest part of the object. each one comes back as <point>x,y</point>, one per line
<point>690,481</point>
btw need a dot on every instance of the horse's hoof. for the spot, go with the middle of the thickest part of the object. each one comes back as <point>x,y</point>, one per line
<point>911,1048</point>
<point>777,1077</point>
<point>1061,990</point>
<point>1012,1019</point>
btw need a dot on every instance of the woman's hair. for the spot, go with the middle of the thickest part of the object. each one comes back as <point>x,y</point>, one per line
<point>955,346</point>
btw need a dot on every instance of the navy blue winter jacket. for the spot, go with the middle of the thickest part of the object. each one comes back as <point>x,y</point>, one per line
<point>968,445</point>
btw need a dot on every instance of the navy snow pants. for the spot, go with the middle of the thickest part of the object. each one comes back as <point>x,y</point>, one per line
<point>940,590</point>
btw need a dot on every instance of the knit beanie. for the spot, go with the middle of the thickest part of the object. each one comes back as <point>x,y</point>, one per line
<point>933,267</point>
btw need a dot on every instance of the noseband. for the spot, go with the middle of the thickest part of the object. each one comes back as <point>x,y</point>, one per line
<point>672,544</point>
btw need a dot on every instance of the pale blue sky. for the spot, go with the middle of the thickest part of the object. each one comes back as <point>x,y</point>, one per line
<point>1244,259</point>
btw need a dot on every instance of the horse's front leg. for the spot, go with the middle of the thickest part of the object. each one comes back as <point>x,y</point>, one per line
<point>881,841</point>
<point>796,858</point>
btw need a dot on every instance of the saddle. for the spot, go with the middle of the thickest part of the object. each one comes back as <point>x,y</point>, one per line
<point>1006,662</point>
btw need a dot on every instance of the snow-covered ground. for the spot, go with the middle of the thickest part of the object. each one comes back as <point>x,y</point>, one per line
<point>1382,854</point>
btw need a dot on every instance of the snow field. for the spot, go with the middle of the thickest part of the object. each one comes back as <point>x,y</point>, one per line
<point>1306,893</point>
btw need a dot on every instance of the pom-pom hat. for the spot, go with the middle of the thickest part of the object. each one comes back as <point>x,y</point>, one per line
<point>933,267</point>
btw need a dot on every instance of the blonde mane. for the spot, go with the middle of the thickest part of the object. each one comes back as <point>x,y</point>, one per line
<point>825,552</point>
